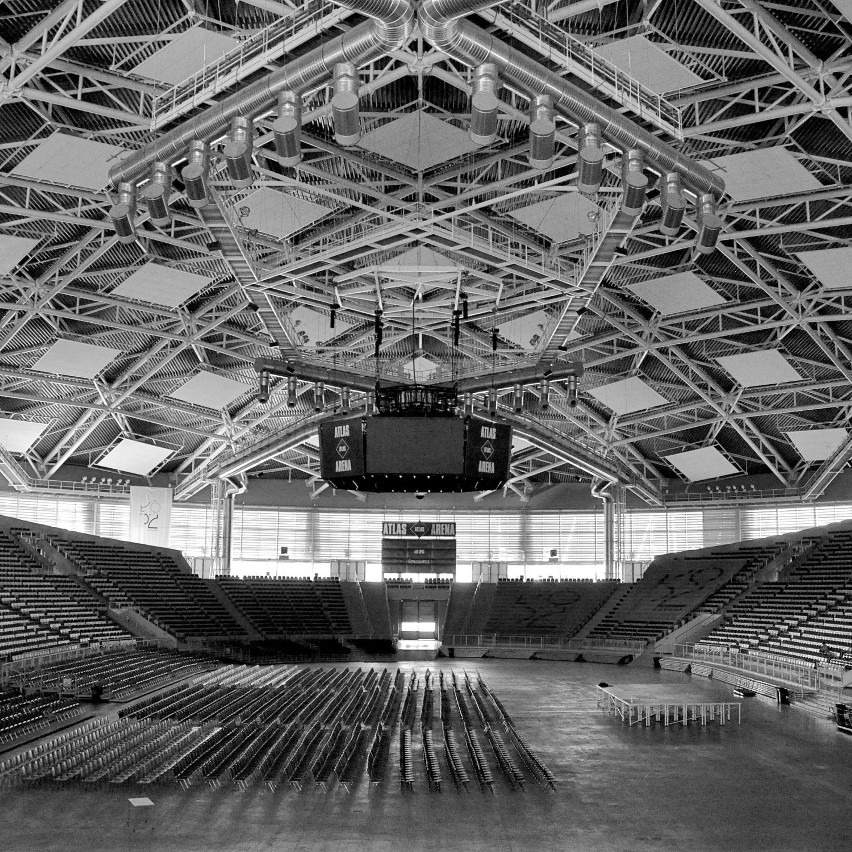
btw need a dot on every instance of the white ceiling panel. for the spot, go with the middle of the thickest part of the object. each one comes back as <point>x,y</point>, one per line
<point>185,55</point>
<point>421,368</point>
<point>137,457</point>
<point>525,330</point>
<point>817,444</point>
<point>418,140</point>
<point>561,218</point>
<point>628,395</point>
<point>753,369</point>
<point>766,173</point>
<point>832,267</point>
<point>420,262</point>
<point>13,250</point>
<point>211,391</point>
<point>70,358</point>
<point>17,436</point>
<point>161,285</point>
<point>278,214</point>
<point>704,463</point>
<point>647,63</point>
<point>677,294</point>
<point>313,328</point>
<point>70,161</point>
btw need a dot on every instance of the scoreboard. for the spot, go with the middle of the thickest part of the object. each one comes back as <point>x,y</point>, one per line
<point>418,548</point>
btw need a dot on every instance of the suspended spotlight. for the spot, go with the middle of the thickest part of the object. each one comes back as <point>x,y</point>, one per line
<point>589,159</point>
<point>344,105</point>
<point>332,316</point>
<point>156,194</point>
<point>673,204</point>
<point>544,394</point>
<point>237,152</point>
<point>542,132</point>
<point>495,334</point>
<point>484,103</point>
<point>492,400</point>
<point>634,182</point>
<point>370,402</point>
<point>291,391</point>
<point>287,128</point>
<point>122,213</point>
<point>319,396</point>
<point>518,398</point>
<point>464,305</point>
<point>468,404</point>
<point>456,327</point>
<point>263,388</point>
<point>194,174</point>
<point>709,225</point>
<point>572,392</point>
<point>345,401</point>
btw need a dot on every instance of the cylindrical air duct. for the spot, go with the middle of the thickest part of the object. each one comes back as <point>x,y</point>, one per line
<point>590,158</point>
<point>542,132</point>
<point>709,225</point>
<point>484,104</point>
<point>122,213</point>
<point>319,396</point>
<point>673,204</point>
<point>263,387</point>
<point>291,391</point>
<point>287,128</point>
<point>634,182</point>
<point>344,105</point>
<point>345,399</point>
<point>238,150</point>
<point>518,398</point>
<point>194,174</point>
<point>492,400</point>
<point>572,392</point>
<point>544,394</point>
<point>156,194</point>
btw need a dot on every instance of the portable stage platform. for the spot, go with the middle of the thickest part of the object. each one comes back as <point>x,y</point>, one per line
<point>634,703</point>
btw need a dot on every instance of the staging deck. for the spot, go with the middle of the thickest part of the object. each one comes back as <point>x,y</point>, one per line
<point>635,703</point>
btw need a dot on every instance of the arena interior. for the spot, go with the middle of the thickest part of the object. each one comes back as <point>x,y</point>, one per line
<point>424,425</point>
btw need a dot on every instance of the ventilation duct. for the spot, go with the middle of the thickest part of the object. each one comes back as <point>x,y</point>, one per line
<point>345,399</point>
<point>465,42</point>
<point>542,132</point>
<point>389,29</point>
<point>673,204</point>
<point>572,392</point>
<point>709,225</point>
<point>344,105</point>
<point>634,183</point>
<point>122,213</point>
<point>194,175</point>
<point>544,394</point>
<point>319,396</point>
<point>287,129</point>
<point>156,194</point>
<point>291,391</point>
<point>237,152</point>
<point>484,104</point>
<point>589,159</point>
<point>518,398</point>
<point>263,387</point>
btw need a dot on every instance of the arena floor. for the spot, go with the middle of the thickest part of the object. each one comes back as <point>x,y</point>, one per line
<point>780,781</point>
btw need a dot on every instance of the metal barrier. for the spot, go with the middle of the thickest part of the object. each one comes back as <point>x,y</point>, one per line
<point>490,640</point>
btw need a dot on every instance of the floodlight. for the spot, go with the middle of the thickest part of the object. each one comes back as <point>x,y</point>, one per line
<point>484,104</point>
<point>122,213</point>
<point>287,128</point>
<point>194,175</point>
<point>542,132</point>
<point>238,150</point>
<point>156,194</point>
<point>344,105</point>
<point>589,159</point>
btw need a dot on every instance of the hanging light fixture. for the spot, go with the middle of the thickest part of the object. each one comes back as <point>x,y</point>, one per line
<point>542,132</point>
<point>484,104</point>
<point>194,174</point>
<point>122,213</point>
<point>237,152</point>
<point>156,194</point>
<point>287,128</point>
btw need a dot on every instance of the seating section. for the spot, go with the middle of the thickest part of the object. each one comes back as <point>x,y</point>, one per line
<point>116,675</point>
<point>806,616</point>
<point>557,609</point>
<point>22,715</point>
<point>153,582</point>
<point>676,585</point>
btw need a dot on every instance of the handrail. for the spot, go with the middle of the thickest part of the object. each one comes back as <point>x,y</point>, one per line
<point>489,640</point>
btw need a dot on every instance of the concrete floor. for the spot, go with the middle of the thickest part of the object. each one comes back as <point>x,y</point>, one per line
<point>780,781</point>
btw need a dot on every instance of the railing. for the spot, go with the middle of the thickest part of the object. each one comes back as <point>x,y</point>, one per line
<point>490,640</point>
<point>798,674</point>
<point>282,35</point>
<point>581,60</point>
<point>732,496</point>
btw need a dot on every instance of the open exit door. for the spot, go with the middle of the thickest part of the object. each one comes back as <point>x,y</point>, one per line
<point>418,620</point>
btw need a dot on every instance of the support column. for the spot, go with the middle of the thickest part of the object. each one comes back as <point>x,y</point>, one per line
<point>223,492</point>
<point>608,494</point>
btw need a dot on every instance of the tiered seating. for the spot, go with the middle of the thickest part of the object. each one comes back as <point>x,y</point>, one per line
<point>807,616</point>
<point>675,585</point>
<point>21,715</point>
<point>20,634</point>
<point>557,609</point>
<point>153,582</point>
